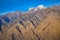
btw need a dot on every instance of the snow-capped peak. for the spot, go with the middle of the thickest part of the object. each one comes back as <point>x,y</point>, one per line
<point>30,8</point>
<point>38,7</point>
<point>41,7</point>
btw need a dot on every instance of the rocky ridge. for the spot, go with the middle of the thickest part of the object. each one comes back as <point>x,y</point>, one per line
<point>31,25</point>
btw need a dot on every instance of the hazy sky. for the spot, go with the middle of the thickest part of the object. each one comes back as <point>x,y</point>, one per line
<point>23,5</point>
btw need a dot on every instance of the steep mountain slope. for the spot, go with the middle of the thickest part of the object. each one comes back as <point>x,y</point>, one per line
<point>32,25</point>
<point>49,29</point>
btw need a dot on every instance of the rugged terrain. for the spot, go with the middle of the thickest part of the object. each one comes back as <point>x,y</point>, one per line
<point>41,24</point>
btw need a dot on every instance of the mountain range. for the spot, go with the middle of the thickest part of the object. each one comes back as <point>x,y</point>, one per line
<point>40,24</point>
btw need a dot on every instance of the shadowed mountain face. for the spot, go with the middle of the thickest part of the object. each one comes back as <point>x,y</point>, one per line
<point>32,25</point>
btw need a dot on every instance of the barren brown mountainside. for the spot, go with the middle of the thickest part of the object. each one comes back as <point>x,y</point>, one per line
<point>41,24</point>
